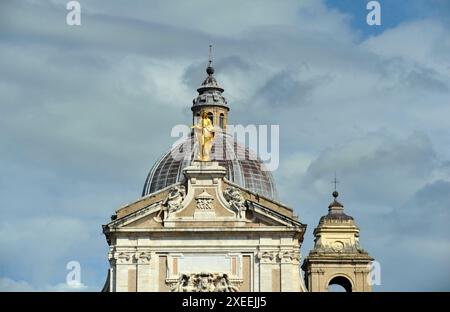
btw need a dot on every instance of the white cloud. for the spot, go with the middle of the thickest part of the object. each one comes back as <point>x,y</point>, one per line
<point>7,284</point>
<point>10,285</point>
<point>402,42</point>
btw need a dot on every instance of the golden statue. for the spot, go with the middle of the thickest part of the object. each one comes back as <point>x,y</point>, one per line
<point>204,132</point>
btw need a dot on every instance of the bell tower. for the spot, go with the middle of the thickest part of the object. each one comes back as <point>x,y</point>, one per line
<point>210,99</point>
<point>337,258</point>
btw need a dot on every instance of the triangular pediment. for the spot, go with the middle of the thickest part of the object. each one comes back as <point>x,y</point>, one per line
<point>206,201</point>
<point>150,217</point>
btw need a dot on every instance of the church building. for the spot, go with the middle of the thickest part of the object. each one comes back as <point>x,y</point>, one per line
<point>216,224</point>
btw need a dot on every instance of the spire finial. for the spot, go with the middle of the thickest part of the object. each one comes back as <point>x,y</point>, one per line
<point>335,182</point>
<point>210,69</point>
<point>210,55</point>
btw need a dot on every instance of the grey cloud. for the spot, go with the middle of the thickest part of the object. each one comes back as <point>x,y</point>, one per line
<point>428,80</point>
<point>44,23</point>
<point>364,166</point>
<point>195,73</point>
<point>377,159</point>
<point>427,210</point>
<point>284,90</point>
<point>421,235</point>
<point>398,74</point>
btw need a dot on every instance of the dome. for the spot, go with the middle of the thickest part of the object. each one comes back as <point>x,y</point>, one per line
<point>242,166</point>
<point>210,93</point>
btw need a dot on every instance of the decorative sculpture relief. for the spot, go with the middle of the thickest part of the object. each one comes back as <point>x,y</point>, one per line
<point>143,257</point>
<point>282,256</point>
<point>204,204</point>
<point>236,200</point>
<point>175,198</point>
<point>129,257</point>
<point>338,247</point>
<point>172,203</point>
<point>204,201</point>
<point>267,256</point>
<point>204,282</point>
<point>123,257</point>
<point>289,256</point>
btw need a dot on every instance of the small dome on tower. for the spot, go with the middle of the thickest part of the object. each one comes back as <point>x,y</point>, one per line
<point>336,210</point>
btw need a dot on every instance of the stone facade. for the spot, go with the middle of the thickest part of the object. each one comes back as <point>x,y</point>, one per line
<point>214,231</point>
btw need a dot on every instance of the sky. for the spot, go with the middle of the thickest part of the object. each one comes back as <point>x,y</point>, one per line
<point>86,110</point>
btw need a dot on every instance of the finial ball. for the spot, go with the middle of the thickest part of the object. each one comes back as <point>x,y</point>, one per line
<point>335,194</point>
<point>210,70</point>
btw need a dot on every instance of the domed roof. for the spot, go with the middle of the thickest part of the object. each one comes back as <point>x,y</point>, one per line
<point>242,166</point>
<point>210,93</point>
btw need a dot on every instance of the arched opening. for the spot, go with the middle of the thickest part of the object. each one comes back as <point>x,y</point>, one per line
<point>339,284</point>
<point>211,117</point>
<point>221,121</point>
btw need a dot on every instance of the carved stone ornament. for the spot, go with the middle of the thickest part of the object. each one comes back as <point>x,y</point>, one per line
<point>289,256</point>
<point>172,202</point>
<point>204,282</point>
<point>130,257</point>
<point>175,198</point>
<point>236,200</point>
<point>204,201</point>
<point>124,257</point>
<point>338,247</point>
<point>267,256</point>
<point>143,257</point>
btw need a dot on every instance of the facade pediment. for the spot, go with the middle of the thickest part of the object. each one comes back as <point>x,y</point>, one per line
<point>151,218</point>
<point>208,202</point>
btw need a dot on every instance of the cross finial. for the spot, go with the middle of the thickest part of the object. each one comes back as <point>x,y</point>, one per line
<point>335,181</point>
<point>210,55</point>
<point>210,69</point>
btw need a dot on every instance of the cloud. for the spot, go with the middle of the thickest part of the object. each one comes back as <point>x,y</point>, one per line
<point>427,209</point>
<point>285,90</point>
<point>39,248</point>
<point>421,235</point>
<point>376,159</point>
<point>10,285</point>
<point>7,284</point>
